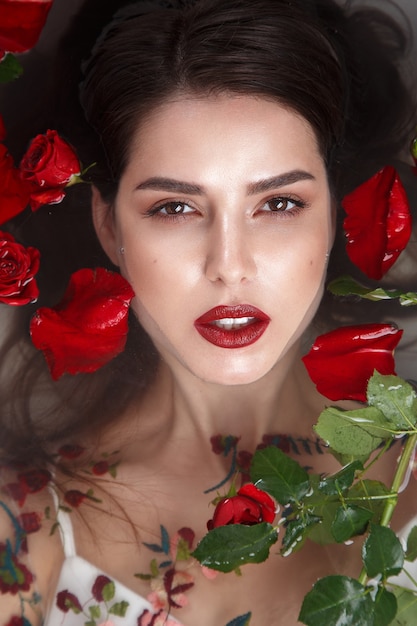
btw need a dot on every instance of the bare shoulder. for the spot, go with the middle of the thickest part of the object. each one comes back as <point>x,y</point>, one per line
<point>29,547</point>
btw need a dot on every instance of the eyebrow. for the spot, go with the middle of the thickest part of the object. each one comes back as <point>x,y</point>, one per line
<point>159,183</point>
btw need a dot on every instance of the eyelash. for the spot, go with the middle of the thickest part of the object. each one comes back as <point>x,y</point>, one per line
<point>156,211</point>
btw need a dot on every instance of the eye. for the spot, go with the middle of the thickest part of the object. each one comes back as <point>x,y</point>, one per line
<point>173,208</point>
<point>282,204</point>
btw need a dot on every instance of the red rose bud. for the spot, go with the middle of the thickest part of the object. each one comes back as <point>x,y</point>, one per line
<point>21,22</point>
<point>187,535</point>
<point>74,498</point>
<point>103,589</point>
<point>67,601</point>
<point>249,506</point>
<point>378,223</point>
<point>18,267</point>
<point>48,165</point>
<point>341,362</point>
<point>89,327</point>
<point>100,468</point>
<point>14,193</point>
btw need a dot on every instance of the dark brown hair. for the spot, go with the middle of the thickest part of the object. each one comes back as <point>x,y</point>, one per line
<point>337,68</point>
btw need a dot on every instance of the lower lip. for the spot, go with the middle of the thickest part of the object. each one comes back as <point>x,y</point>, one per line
<point>232,339</point>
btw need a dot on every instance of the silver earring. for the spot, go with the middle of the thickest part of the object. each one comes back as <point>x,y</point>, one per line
<point>121,250</point>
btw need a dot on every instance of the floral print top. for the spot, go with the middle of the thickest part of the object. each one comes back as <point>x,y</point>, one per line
<point>85,595</point>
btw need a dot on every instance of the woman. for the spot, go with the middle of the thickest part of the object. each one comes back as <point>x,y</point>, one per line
<point>228,133</point>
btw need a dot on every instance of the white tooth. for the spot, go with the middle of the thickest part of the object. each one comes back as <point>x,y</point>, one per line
<point>231,323</point>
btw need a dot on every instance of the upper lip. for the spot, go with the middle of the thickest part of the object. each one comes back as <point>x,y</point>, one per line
<point>235,311</point>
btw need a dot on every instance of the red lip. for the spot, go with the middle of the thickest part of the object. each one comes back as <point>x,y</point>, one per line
<point>232,338</point>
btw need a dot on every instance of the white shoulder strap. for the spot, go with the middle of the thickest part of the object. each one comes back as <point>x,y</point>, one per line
<point>65,528</point>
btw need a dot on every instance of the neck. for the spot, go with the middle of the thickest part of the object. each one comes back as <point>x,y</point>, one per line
<point>179,407</point>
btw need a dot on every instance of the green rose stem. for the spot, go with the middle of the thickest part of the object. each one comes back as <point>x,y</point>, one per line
<point>396,484</point>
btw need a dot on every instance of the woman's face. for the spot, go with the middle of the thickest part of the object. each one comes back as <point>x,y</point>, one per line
<point>222,224</point>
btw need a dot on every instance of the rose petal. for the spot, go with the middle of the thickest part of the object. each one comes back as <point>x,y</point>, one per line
<point>14,193</point>
<point>21,22</point>
<point>2,129</point>
<point>48,196</point>
<point>341,362</point>
<point>89,327</point>
<point>378,223</point>
<point>262,498</point>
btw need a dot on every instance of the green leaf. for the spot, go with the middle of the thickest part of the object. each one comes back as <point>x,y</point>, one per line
<point>119,608</point>
<point>382,552</point>
<point>10,68</point>
<point>109,591</point>
<point>227,547</point>
<point>337,483</point>
<point>322,533</point>
<point>411,552</point>
<point>407,608</point>
<point>337,600</point>
<point>95,612</point>
<point>385,607</point>
<point>395,398</point>
<point>296,532</point>
<point>348,286</point>
<point>349,521</point>
<point>282,477</point>
<point>355,434</point>
<point>371,495</point>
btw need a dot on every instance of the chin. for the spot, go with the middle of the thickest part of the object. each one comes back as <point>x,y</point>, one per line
<point>230,377</point>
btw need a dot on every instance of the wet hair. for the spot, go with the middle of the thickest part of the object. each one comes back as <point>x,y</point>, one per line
<point>337,67</point>
<point>301,54</point>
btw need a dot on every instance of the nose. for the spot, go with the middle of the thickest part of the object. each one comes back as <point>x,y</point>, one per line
<point>230,256</point>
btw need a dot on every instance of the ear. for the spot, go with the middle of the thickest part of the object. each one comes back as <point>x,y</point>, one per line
<point>104,225</point>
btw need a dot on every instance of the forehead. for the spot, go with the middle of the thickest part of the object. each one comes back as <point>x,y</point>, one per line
<point>189,131</point>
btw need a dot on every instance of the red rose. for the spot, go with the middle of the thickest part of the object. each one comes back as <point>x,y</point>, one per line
<point>34,480</point>
<point>14,576</point>
<point>17,621</point>
<point>341,362</point>
<point>14,192</point>
<point>18,266</point>
<point>21,22</point>
<point>67,601</point>
<point>48,165</point>
<point>103,589</point>
<point>378,223</point>
<point>30,522</point>
<point>249,506</point>
<point>15,491</point>
<point>89,327</point>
